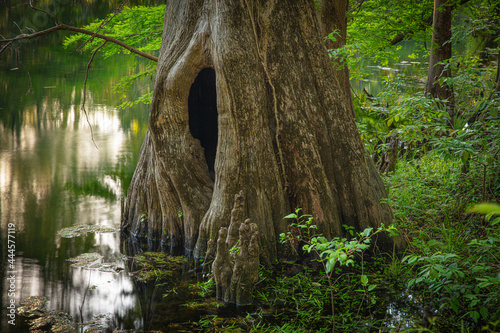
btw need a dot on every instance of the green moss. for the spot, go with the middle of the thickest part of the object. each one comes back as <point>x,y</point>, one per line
<point>157,267</point>
<point>207,304</point>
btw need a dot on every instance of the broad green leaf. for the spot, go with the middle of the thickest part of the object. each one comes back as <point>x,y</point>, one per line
<point>329,265</point>
<point>322,239</point>
<point>367,232</point>
<point>484,312</point>
<point>412,259</point>
<point>474,315</point>
<point>364,280</point>
<point>465,156</point>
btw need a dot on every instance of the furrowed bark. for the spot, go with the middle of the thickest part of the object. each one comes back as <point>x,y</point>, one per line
<point>285,135</point>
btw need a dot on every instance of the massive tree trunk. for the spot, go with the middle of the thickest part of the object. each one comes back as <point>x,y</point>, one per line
<point>440,53</point>
<point>245,98</point>
<point>333,18</point>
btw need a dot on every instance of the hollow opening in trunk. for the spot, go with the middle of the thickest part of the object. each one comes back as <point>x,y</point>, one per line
<point>203,124</point>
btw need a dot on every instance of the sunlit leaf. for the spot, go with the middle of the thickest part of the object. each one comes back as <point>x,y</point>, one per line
<point>485,208</point>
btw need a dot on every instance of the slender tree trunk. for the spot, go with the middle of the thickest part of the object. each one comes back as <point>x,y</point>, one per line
<point>284,134</point>
<point>440,53</point>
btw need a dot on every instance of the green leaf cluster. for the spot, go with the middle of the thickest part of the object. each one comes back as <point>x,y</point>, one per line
<point>137,26</point>
<point>332,253</point>
<point>375,25</point>
<point>460,285</point>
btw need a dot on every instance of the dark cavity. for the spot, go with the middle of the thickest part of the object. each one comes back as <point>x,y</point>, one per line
<point>203,124</point>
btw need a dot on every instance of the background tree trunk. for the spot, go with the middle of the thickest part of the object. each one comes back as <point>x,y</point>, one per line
<point>285,135</point>
<point>440,52</point>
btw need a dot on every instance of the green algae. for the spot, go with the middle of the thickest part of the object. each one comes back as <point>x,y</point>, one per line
<point>157,267</point>
<point>78,230</point>
<point>205,304</point>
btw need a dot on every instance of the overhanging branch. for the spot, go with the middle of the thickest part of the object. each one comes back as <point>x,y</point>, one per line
<point>61,26</point>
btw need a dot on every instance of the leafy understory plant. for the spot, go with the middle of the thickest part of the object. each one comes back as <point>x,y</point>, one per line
<point>331,253</point>
<point>467,282</point>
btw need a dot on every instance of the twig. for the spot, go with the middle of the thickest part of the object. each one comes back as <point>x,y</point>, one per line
<point>85,297</point>
<point>496,259</point>
<point>45,12</point>
<point>5,47</point>
<point>85,91</point>
<point>117,10</point>
<point>31,83</point>
<point>27,71</point>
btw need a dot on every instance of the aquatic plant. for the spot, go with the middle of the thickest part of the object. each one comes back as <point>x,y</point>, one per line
<point>157,267</point>
<point>78,230</point>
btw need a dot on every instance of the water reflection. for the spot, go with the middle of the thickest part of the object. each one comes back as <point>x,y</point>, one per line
<point>411,64</point>
<point>52,176</point>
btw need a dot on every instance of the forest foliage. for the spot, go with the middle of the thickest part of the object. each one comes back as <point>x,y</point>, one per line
<point>450,273</point>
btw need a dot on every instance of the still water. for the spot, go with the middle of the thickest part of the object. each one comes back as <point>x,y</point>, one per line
<point>53,175</point>
<point>59,170</point>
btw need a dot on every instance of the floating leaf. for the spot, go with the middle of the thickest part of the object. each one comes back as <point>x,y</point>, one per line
<point>85,259</point>
<point>34,307</point>
<point>78,230</point>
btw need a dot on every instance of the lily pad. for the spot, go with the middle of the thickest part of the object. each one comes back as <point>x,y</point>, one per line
<point>98,323</point>
<point>93,261</point>
<point>86,260</point>
<point>55,321</point>
<point>78,230</point>
<point>33,306</point>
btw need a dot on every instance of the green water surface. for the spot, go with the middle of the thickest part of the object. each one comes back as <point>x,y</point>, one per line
<point>56,173</point>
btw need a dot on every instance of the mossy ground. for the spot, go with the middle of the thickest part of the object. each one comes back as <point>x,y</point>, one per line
<point>157,267</point>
